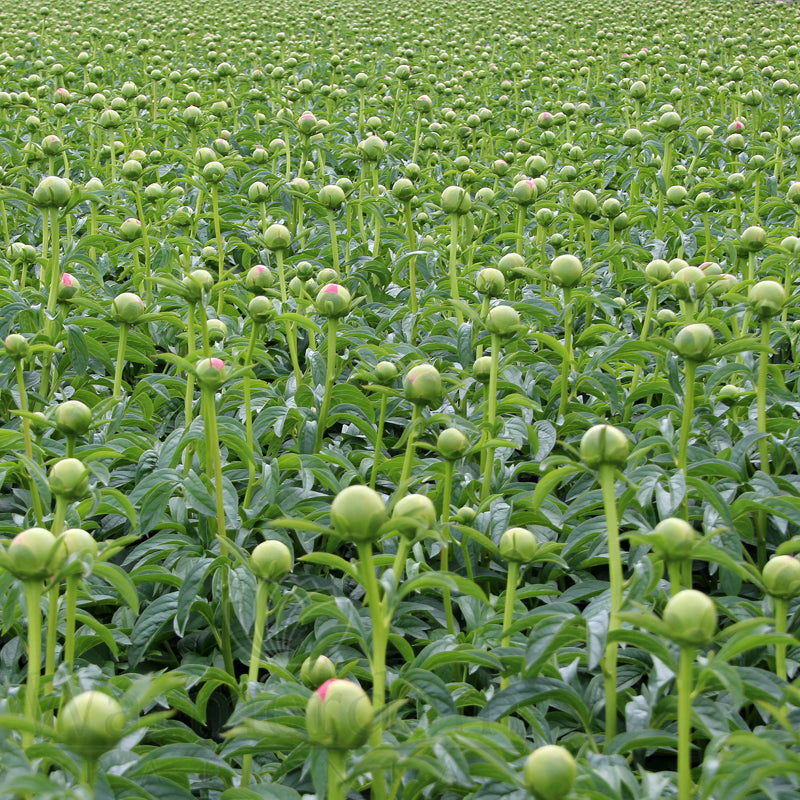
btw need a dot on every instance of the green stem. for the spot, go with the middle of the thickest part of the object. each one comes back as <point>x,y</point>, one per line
<point>491,416</point>
<point>781,608</point>
<point>568,363</point>
<point>330,374</point>
<point>145,243</point>
<point>447,492</point>
<point>685,723</point>
<point>248,413</point>
<point>454,293</point>
<point>71,600</point>
<point>674,569</point>
<point>408,460</point>
<point>26,433</point>
<point>334,241</point>
<point>403,546</point>
<point>291,338</point>
<point>508,613</point>
<point>761,396</point>
<point>33,596</point>
<point>688,413</point>
<point>379,440</point>
<point>412,262</point>
<point>336,773</point>
<point>520,231</point>
<point>606,477</point>
<point>121,345</point>
<point>220,247</point>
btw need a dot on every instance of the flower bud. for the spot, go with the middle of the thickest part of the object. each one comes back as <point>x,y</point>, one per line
<point>690,283</point>
<point>271,560</point>
<point>414,515</point>
<point>17,346</point>
<point>385,372</point>
<point>456,200</point>
<point>691,618</point>
<point>465,515</point>
<point>331,197</point>
<point>503,321</point>
<point>781,576</point>
<point>357,514</point>
<point>510,263</point>
<point>423,386</point>
<point>518,544</point>
<point>34,554</point>
<point>77,541</point>
<point>339,715</point>
<point>127,308</point>
<point>314,672</point>
<point>132,170</point>
<point>550,772</point>
<point>258,278</point>
<point>277,237</point>
<point>669,121</point>
<point>130,229</point>
<point>90,724</point>
<point>260,309</point>
<point>333,300</point>
<point>211,372</point>
<point>481,369</point>
<point>767,298</point>
<point>373,148</point>
<point>566,271</point>
<point>258,192</point>
<point>658,271</point>
<point>52,192</point>
<point>217,330</point>
<point>673,539</point>
<point>452,444</point>
<point>73,418</point>
<point>584,203</point>
<point>524,192</point>
<point>68,478</point>
<point>695,342</point>
<point>490,282</point>
<point>754,239</point>
<point>604,445</point>
<point>403,189</point>
<point>68,287</point>
<point>632,137</point>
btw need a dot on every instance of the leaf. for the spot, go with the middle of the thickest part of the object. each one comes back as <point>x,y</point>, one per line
<point>150,624</point>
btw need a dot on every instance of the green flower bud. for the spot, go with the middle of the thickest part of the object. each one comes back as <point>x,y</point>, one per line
<point>524,192</point>
<point>456,200</point>
<point>490,282</point>
<point>632,137</point>
<point>676,195</point>
<point>217,330</point>
<point>73,417</point>
<point>260,309</point>
<point>77,541</point>
<point>331,197</point>
<point>691,618</point>
<point>754,239</point>
<point>127,307</point>
<point>604,445</point>
<point>385,372</point>
<point>566,271</point>
<point>306,123</point>
<point>34,554</point>
<point>638,90</point>
<point>510,263</point>
<point>691,283</point>
<point>414,515</point>
<point>657,271</point>
<point>423,386</point>
<point>357,514</point>
<point>211,372</point>
<point>258,278</point>
<point>584,203</point>
<point>271,560</point>
<point>69,478</point>
<point>258,192</point>
<point>68,287</point>
<point>131,229</point>
<point>611,208</point>
<point>781,576</point>
<point>481,369</point>
<point>695,342</point>
<point>767,298</point>
<point>550,772</point>
<point>333,300</point>
<point>503,320</point>
<point>452,444</point>
<point>403,189</point>
<point>277,237</point>
<point>518,544</point>
<point>52,192</point>
<point>132,170</point>
<point>17,346</point>
<point>373,148</point>
<point>90,724</point>
<point>465,515</point>
<point>669,121</point>
<point>213,172</point>
<point>314,672</point>
<point>673,539</point>
<point>339,715</point>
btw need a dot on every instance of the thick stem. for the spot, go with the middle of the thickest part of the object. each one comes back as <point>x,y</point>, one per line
<point>412,262</point>
<point>336,773</point>
<point>408,460</point>
<point>121,345</point>
<point>291,338</point>
<point>447,492</point>
<point>379,441</point>
<point>674,569</point>
<point>607,485</point>
<point>33,595</point>
<point>491,415</point>
<point>688,413</point>
<point>71,601</point>
<point>454,293</point>
<point>781,608</point>
<point>248,413</point>
<point>685,723</point>
<point>761,396</point>
<point>26,433</point>
<point>508,612</point>
<point>403,546</point>
<point>334,241</point>
<point>567,364</point>
<point>330,374</point>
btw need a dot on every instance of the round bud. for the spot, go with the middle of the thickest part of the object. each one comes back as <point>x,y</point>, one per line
<point>68,478</point>
<point>611,208</point>
<point>503,321</point>
<point>690,283</point>
<point>17,346</point>
<point>691,618</point>
<point>331,197</point>
<point>566,271</point>
<point>403,189</point>
<point>211,372</point>
<point>271,560</point>
<point>657,271</point>
<point>333,300</point>
<point>277,237</point>
<point>754,239</point>
<point>68,287</point>
<point>258,278</point>
<point>260,309</point>
<point>510,263</point>
<point>550,772</point>
<point>314,672</point>
<point>604,445</point>
<point>339,715</point>
<point>524,192</point>
<point>695,342</point>
<point>34,554</point>
<point>357,514</point>
<point>132,170</point>
<point>258,192</point>
<point>73,418</point>
<point>669,121</point>
<point>767,298</point>
<point>518,544</point>
<point>465,515</point>
<point>77,541</point>
<point>414,515</point>
<point>456,200</point>
<point>373,148</point>
<point>213,172</point>
<point>481,369</point>
<point>490,282</point>
<point>676,195</point>
<point>385,372</point>
<point>52,192</point>
<point>452,444</point>
<point>127,308</point>
<point>632,137</point>
<point>584,203</point>
<point>423,386</point>
<point>674,539</point>
<point>781,576</point>
<point>217,330</point>
<point>90,724</point>
<point>131,229</point>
